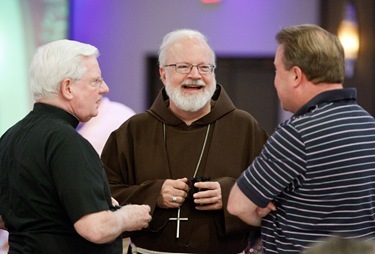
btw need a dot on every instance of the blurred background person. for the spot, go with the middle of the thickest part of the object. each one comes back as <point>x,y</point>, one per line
<point>3,241</point>
<point>340,245</point>
<point>110,116</point>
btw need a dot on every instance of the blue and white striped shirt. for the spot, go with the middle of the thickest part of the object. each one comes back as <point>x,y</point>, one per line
<point>318,168</point>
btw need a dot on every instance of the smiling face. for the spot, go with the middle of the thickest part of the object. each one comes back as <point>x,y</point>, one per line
<point>192,91</point>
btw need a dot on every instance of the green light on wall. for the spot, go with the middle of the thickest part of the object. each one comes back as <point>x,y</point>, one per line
<point>24,26</point>
<point>14,92</point>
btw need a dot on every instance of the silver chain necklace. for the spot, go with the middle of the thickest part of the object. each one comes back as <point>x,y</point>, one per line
<point>203,147</point>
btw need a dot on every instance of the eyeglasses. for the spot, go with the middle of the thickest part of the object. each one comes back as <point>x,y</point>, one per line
<point>97,82</point>
<point>186,68</point>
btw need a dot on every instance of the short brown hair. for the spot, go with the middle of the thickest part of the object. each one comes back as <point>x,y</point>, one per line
<point>317,52</point>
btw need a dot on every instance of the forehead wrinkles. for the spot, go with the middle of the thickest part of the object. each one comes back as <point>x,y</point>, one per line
<point>189,50</point>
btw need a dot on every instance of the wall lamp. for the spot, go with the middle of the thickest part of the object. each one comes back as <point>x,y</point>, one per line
<point>349,37</point>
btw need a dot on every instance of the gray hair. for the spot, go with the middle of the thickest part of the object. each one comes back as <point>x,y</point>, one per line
<point>55,61</point>
<point>340,245</point>
<point>177,35</point>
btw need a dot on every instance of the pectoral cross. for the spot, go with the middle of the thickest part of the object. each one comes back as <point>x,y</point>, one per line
<point>178,219</point>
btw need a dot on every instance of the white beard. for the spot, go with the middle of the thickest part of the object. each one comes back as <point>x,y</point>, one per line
<point>190,102</point>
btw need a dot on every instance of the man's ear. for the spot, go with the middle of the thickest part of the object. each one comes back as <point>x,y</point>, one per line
<point>298,75</point>
<point>162,75</point>
<point>67,89</point>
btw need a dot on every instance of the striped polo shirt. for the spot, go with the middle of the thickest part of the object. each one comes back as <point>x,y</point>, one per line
<point>318,168</point>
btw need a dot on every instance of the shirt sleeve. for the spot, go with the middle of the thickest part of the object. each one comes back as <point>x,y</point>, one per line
<point>281,165</point>
<point>78,175</point>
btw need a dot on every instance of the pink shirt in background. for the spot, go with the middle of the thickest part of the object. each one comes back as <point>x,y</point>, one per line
<point>111,115</point>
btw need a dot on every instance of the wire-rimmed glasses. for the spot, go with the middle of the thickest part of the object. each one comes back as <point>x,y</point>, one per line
<point>186,68</point>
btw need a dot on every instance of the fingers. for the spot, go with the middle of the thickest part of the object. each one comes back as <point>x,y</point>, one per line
<point>147,217</point>
<point>181,184</point>
<point>137,216</point>
<point>169,186</point>
<point>209,197</point>
<point>271,206</point>
<point>178,200</point>
<point>208,185</point>
<point>114,202</point>
<point>173,193</point>
<point>208,190</point>
<point>206,201</point>
<point>262,212</point>
<point>209,207</point>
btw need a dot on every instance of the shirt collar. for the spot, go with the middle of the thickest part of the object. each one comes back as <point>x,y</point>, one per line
<point>57,112</point>
<point>327,97</point>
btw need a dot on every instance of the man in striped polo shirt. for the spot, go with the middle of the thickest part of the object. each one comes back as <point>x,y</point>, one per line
<point>316,175</point>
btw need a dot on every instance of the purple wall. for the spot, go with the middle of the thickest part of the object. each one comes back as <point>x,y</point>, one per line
<point>126,31</point>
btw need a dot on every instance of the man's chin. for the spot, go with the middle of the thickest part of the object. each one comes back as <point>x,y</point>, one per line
<point>95,114</point>
<point>191,107</point>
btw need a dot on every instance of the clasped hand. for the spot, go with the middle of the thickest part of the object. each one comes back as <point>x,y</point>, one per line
<point>174,193</point>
